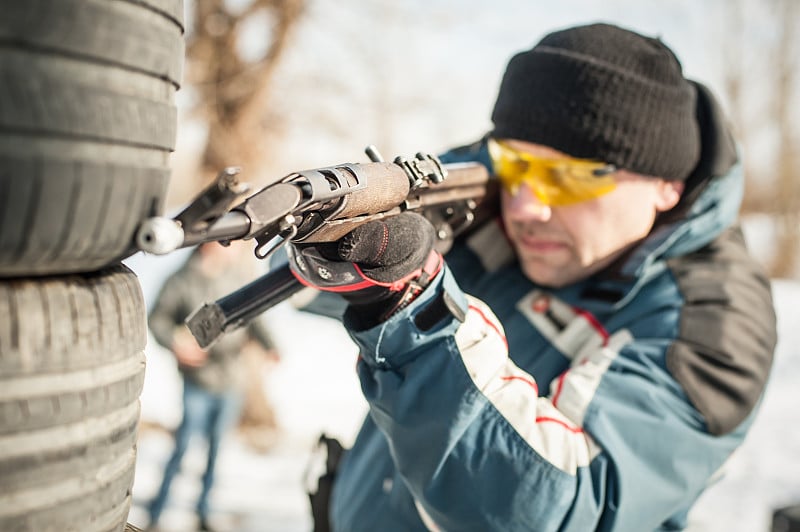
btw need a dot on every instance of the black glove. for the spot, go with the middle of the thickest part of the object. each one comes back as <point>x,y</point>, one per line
<point>379,267</point>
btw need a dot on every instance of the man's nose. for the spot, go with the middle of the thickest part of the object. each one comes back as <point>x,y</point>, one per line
<point>524,206</point>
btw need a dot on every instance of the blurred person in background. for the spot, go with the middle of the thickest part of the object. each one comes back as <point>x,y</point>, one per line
<point>214,379</point>
<point>591,357</point>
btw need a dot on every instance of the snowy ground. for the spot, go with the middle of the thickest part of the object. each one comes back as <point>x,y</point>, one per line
<point>314,389</point>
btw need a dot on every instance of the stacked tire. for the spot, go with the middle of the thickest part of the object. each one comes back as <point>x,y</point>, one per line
<point>87,122</point>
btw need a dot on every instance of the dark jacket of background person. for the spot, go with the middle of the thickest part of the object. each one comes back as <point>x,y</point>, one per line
<point>182,293</point>
<point>213,379</point>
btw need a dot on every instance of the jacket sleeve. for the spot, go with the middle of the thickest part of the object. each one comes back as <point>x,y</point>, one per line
<point>479,449</point>
<point>169,311</point>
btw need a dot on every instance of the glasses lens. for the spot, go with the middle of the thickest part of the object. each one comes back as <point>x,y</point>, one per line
<point>555,182</point>
<point>509,168</point>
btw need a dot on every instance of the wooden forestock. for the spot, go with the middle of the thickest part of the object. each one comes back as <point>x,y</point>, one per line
<point>388,194</point>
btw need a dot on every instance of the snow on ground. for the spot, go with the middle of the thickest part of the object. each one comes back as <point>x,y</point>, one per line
<point>315,389</point>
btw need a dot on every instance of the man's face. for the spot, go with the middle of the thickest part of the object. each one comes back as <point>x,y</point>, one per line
<point>559,245</point>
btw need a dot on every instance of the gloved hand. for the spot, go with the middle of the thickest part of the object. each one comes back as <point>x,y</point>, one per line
<point>379,267</point>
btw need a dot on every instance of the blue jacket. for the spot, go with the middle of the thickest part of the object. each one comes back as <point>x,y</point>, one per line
<point>496,404</point>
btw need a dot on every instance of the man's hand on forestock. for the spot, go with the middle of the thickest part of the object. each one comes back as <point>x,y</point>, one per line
<point>379,267</point>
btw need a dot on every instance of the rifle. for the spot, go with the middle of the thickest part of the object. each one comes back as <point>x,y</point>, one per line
<point>312,206</point>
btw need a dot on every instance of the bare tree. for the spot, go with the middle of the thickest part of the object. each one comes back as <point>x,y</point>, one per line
<point>233,94</point>
<point>733,83</point>
<point>773,188</point>
<point>787,190</point>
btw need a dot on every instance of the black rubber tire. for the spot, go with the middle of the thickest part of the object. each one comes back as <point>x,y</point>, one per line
<point>71,372</point>
<point>87,122</point>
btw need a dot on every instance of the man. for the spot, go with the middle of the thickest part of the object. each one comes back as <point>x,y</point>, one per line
<point>213,379</point>
<point>589,360</point>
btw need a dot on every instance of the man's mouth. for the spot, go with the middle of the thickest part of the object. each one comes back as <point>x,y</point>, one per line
<point>540,244</point>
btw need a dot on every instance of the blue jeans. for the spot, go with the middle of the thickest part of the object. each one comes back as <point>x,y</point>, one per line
<point>206,413</point>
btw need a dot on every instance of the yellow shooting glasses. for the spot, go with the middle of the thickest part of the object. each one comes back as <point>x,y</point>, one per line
<point>555,182</point>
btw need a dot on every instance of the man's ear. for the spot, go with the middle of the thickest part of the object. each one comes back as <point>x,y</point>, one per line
<point>668,194</point>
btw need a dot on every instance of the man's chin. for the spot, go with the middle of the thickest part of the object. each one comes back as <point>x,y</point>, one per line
<point>546,277</point>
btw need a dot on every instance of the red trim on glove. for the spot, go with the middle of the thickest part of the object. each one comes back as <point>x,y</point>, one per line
<point>366,283</point>
<point>433,264</point>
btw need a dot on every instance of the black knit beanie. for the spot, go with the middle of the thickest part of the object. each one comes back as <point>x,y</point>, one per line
<point>605,93</point>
